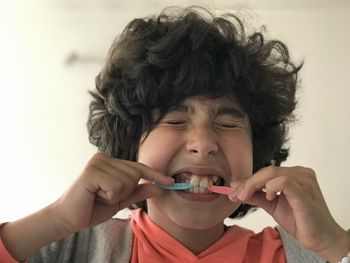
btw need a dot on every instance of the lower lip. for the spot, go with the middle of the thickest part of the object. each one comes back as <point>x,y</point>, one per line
<point>197,197</point>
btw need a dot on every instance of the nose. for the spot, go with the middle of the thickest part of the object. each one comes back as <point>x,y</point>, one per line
<point>202,142</point>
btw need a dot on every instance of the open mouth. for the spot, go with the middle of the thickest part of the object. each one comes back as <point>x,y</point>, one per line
<point>199,183</point>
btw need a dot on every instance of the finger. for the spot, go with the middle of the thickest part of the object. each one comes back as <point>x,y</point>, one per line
<point>142,192</point>
<point>100,168</point>
<point>290,191</point>
<point>133,169</point>
<point>154,176</point>
<point>106,210</point>
<point>286,184</point>
<point>237,189</point>
<point>235,183</point>
<point>258,181</point>
<point>259,200</point>
<point>107,187</point>
<point>271,190</point>
<point>139,170</point>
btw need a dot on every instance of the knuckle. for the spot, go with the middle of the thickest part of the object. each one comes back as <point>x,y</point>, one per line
<point>270,196</point>
<point>99,156</point>
<point>113,197</point>
<point>118,189</point>
<point>306,172</point>
<point>311,174</point>
<point>251,186</point>
<point>90,167</point>
<point>95,161</point>
<point>275,185</point>
<point>140,167</point>
<point>284,177</point>
<point>284,181</point>
<point>271,170</point>
<point>269,186</point>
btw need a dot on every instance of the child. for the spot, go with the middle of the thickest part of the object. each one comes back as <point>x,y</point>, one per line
<point>186,97</point>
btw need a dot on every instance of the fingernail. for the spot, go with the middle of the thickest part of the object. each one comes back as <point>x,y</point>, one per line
<point>235,184</point>
<point>241,195</point>
<point>233,195</point>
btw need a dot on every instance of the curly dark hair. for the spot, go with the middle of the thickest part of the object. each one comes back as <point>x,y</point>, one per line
<point>159,61</point>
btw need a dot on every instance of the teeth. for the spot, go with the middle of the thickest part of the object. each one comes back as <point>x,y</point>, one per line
<point>196,189</point>
<point>203,185</point>
<point>194,180</point>
<point>204,182</point>
<point>200,184</point>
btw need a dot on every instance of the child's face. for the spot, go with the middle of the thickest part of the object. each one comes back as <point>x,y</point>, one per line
<point>203,137</point>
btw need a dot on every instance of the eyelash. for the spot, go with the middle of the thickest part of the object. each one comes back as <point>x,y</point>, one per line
<point>175,122</point>
<point>181,123</point>
<point>227,125</point>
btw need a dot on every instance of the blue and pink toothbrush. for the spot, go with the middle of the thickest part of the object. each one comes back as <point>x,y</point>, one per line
<point>224,190</point>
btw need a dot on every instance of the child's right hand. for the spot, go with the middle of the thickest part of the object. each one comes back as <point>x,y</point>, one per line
<point>106,186</point>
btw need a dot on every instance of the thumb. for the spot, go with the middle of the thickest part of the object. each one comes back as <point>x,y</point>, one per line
<point>259,200</point>
<point>141,192</point>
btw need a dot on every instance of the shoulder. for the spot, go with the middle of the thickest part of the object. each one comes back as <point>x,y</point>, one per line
<point>114,227</point>
<point>294,251</point>
<point>279,242</point>
<point>109,240</point>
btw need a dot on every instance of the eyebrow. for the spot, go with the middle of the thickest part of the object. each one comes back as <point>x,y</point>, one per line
<point>234,112</point>
<point>181,108</point>
<point>231,111</point>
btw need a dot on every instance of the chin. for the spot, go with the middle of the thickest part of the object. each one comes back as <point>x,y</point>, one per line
<point>198,220</point>
<point>192,217</point>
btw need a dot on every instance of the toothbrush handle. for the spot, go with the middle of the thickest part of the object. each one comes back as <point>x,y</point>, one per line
<point>224,190</point>
<point>176,186</point>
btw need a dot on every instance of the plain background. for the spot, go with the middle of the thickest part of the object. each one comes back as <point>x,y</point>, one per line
<point>51,51</point>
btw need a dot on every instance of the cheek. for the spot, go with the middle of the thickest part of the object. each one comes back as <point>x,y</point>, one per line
<point>157,150</point>
<point>239,155</point>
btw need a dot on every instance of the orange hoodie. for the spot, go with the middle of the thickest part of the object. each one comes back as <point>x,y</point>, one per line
<point>152,244</point>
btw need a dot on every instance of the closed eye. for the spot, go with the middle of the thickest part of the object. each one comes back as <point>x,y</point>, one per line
<point>226,125</point>
<point>175,123</point>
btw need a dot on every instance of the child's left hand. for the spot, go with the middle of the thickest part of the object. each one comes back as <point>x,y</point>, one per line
<point>293,198</point>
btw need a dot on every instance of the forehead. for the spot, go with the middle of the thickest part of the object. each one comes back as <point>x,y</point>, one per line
<point>211,102</point>
<point>210,105</point>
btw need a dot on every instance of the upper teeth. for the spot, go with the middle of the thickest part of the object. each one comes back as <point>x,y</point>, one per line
<point>200,183</point>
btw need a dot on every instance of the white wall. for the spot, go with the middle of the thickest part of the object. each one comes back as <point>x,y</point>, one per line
<point>44,102</point>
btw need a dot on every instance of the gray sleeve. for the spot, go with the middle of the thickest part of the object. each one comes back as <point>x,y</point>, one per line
<point>59,251</point>
<point>295,252</point>
<point>108,242</point>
